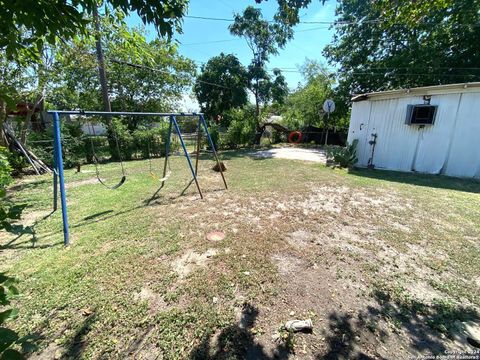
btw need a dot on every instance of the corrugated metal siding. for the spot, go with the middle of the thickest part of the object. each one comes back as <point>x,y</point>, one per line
<point>434,140</point>
<point>358,129</point>
<point>396,142</point>
<point>464,159</point>
<point>450,146</point>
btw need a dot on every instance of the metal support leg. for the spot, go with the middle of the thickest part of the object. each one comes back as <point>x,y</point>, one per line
<point>177,129</point>
<point>55,180</point>
<point>202,119</point>
<point>63,196</point>
<point>199,136</point>
<point>167,152</point>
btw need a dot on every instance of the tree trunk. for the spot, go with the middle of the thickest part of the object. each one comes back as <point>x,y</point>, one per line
<point>28,118</point>
<point>257,118</point>
<point>3,117</point>
<point>101,62</point>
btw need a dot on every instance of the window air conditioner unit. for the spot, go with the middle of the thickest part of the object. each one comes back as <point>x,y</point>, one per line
<point>421,114</point>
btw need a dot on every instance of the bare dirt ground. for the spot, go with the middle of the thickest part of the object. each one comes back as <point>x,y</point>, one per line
<point>355,256</point>
<point>292,153</point>
<point>330,259</point>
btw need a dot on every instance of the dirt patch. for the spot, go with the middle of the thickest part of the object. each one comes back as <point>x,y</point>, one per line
<point>155,301</point>
<point>191,260</point>
<point>287,264</point>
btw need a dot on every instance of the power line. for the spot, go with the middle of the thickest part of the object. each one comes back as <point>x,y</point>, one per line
<point>300,22</point>
<point>331,23</point>
<point>137,66</point>
<point>211,42</point>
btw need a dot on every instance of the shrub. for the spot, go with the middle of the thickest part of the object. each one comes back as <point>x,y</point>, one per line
<point>98,144</point>
<point>345,157</point>
<point>150,142</point>
<point>73,144</point>
<point>242,128</point>
<point>118,133</point>
<point>8,210</point>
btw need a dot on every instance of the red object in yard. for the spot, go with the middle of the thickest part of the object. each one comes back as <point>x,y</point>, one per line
<point>295,137</point>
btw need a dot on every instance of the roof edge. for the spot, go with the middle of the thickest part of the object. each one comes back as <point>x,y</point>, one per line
<point>423,90</point>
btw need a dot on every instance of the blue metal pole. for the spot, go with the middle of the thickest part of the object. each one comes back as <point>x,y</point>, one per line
<point>55,180</point>
<point>177,129</point>
<point>202,120</point>
<point>59,162</point>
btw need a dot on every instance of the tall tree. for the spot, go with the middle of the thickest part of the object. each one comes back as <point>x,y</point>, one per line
<point>383,45</point>
<point>222,85</point>
<point>25,26</point>
<point>304,106</point>
<point>142,75</point>
<point>264,38</point>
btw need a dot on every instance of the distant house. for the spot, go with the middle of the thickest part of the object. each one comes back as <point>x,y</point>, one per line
<point>432,129</point>
<point>98,128</point>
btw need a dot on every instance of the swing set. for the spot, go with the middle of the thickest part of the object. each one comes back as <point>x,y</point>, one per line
<point>58,173</point>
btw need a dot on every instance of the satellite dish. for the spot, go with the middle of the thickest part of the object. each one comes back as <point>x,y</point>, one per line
<point>329,106</point>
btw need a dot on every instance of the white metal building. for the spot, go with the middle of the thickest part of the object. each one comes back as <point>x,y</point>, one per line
<point>441,135</point>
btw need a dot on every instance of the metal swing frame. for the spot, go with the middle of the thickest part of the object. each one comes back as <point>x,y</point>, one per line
<point>58,172</point>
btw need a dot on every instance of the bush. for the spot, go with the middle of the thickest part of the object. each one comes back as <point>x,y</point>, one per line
<point>150,142</point>
<point>345,157</point>
<point>98,144</point>
<point>242,128</point>
<point>120,139</point>
<point>73,144</point>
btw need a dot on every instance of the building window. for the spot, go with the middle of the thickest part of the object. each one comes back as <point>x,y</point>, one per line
<point>421,114</point>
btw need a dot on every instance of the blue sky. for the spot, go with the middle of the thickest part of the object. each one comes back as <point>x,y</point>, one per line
<point>308,42</point>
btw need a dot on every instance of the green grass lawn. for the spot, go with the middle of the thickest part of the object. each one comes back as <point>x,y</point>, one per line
<point>385,264</point>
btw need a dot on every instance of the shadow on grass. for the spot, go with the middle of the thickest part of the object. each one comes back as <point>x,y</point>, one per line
<point>433,181</point>
<point>237,342</point>
<point>424,329</point>
<point>33,185</point>
<point>78,343</point>
<point>20,231</point>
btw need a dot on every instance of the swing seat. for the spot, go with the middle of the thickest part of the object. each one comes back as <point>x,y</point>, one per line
<point>122,181</point>
<point>163,179</point>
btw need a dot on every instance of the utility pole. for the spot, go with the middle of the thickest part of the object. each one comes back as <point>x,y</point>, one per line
<point>101,62</point>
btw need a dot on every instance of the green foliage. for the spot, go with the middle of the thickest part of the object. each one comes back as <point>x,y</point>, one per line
<point>153,86</point>
<point>8,291</point>
<point>8,337</point>
<point>345,157</point>
<point>304,106</point>
<point>150,142</point>
<point>29,24</point>
<point>5,170</point>
<point>405,45</point>
<point>222,85</point>
<point>264,38</point>
<point>8,210</point>
<point>118,133</point>
<point>242,128</point>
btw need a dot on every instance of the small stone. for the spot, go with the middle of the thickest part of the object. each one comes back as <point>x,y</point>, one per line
<point>215,299</point>
<point>247,273</point>
<point>87,311</point>
<point>58,354</point>
<point>357,338</point>
<point>292,313</point>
